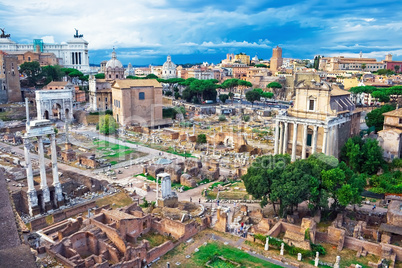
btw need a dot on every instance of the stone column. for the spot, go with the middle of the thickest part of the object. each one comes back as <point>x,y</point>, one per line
<point>294,142</point>
<point>285,138</point>
<point>31,193</point>
<point>315,134</point>
<point>329,141</point>
<point>43,182</point>
<point>276,141</point>
<point>304,141</point>
<point>335,141</point>
<point>55,171</point>
<point>324,141</point>
<point>280,138</point>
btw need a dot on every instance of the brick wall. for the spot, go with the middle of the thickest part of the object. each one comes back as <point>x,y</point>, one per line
<point>111,233</point>
<point>159,251</point>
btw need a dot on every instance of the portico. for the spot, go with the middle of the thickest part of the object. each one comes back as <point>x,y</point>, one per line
<point>314,124</point>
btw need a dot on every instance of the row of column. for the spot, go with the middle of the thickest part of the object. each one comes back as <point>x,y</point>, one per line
<point>329,142</point>
<point>32,195</point>
<point>76,57</point>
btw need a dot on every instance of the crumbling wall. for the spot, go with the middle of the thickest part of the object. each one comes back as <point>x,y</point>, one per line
<point>221,223</point>
<point>159,251</point>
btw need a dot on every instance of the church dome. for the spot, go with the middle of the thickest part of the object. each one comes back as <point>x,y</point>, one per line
<point>169,64</point>
<point>114,62</point>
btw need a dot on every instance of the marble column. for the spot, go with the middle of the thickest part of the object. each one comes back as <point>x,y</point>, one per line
<point>315,134</point>
<point>43,182</point>
<point>280,138</point>
<point>324,141</point>
<point>276,141</point>
<point>335,141</point>
<point>285,138</point>
<point>304,141</point>
<point>330,140</point>
<point>31,193</point>
<point>294,142</point>
<point>55,171</point>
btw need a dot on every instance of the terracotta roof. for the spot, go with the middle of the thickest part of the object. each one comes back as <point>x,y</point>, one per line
<point>394,113</point>
<point>127,83</point>
<point>339,92</point>
<point>57,84</point>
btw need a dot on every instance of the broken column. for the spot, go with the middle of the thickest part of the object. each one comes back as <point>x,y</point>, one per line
<point>32,197</point>
<point>316,259</point>
<point>337,261</point>
<point>58,197</point>
<point>282,249</point>
<point>43,182</point>
<point>267,243</point>
<point>299,256</point>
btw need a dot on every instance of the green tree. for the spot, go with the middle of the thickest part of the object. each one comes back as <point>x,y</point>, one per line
<point>32,71</point>
<point>201,138</point>
<point>223,97</point>
<point>107,125</point>
<point>261,65</point>
<point>316,62</point>
<point>151,76</point>
<point>362,89</point>
<point>375,118</point>
<point>100,76</point>
<point>274,85</point>
<point>396,68</point>
<point>52,73</point>
<point>363,156</point>
<point>364,66</point>
<point>252,96</point>
<point>261,174</point>
<point>222,117</point>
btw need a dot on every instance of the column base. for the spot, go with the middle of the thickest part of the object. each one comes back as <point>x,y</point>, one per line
<point>33,211</point>
<point>58,193</point>
<point>32,198</point>
<point>46,194</point>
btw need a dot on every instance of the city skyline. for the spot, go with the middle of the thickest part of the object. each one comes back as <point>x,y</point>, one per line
<point>198,31</point>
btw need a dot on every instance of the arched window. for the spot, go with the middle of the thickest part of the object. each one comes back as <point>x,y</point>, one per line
<point>141,96</point>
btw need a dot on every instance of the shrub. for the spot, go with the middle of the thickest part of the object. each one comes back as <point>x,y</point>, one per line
<point>201,138</point>
<point>222,118</point>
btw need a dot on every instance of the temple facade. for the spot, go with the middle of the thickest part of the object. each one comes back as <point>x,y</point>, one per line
<point>321,120</point>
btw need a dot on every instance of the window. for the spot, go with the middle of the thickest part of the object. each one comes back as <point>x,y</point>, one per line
<point>400,120</point>
<point>141,96</point>
<point>105,99</point>
<point>117,76</point>
<point>311,105</point>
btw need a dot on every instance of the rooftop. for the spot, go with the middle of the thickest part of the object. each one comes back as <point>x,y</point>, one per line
<point>128,83</point>
<point>394,113</point>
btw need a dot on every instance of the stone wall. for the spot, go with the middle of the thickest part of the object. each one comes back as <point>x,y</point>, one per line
<point>221,223</point>
<point>159,251</point>
<point>110,232</point>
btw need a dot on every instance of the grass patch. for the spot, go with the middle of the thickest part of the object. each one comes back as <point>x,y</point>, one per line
<point>118,200</point>
<point>149,177</point>
<point>178,185</point>
<point>49,219</point>
<point>207,252</point>
<point>154,239</point>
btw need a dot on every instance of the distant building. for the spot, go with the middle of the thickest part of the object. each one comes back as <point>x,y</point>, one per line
<point>138,102</point>
<point>100,94</point>
<point>72,54</point>
<point>169,69</point>
<point>129,71</point>
<point>10,90</point>
<point>390,137</point>
<point>30,56</point>
<point>321,120</point>
<point>114,69</point>
<point>276,60</point>
<point>330,64</point>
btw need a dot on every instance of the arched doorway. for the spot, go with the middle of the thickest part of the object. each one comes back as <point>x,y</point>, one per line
<point>67,114</point>
<point>46,114</point>
<point>56,111</point>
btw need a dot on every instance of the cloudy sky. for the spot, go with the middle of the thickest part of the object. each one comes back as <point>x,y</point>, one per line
<point>145,31</point>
